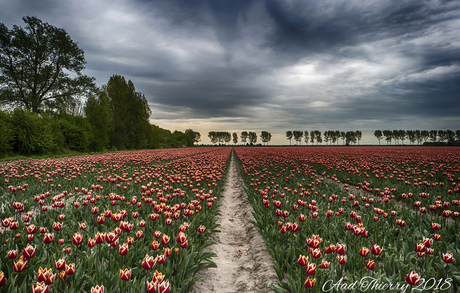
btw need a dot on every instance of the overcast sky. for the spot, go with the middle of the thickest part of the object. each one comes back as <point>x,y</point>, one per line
<point>231,65</point>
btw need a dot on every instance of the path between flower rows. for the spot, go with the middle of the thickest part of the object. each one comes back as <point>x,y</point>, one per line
<point>249,270</point>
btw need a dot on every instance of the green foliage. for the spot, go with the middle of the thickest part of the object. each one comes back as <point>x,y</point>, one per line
<point>7,135</point>
<point>36,64</point>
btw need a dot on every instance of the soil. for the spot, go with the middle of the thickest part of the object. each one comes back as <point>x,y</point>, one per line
<point>243,263</point>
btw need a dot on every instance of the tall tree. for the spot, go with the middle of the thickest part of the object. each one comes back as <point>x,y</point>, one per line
<point>252,137</point>
<point>350,137</point>
<point>358,135</point>
<point>378,134</point>
<point>235,138</point>
<point>433,135</point>
<point>388,135</point>
<point>312,136</point>
<point>298,136</point>
<point>306,136</point>
<point>41,67</point>
<point>244,136</point>
<point>130,114</point>
<point>289,135</point>
<point>265,136</point>
<point>196,136</point>
<point>99,114</point>
<point>343,136</point>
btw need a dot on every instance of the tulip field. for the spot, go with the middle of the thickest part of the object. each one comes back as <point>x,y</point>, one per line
<point>334,219</point>
<point>134,221</point>
<point>357,219</point>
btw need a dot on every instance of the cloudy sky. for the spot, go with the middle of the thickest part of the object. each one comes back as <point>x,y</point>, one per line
<point>234,65</point>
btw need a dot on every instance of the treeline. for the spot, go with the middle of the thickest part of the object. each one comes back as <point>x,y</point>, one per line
<point>436,137</point>
<point>249,138</point>
<point>329,136</point>
<point>117,118</point>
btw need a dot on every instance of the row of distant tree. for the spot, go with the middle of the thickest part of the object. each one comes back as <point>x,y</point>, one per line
<point>329,136</point>
<point>224,137</point>
<point>418,136</point>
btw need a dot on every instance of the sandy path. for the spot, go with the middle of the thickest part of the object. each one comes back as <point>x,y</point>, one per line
<point>253,270</point>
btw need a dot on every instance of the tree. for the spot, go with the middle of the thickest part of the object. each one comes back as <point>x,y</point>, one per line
<point>378,134</point>
<point>196,136</point>
<point>388,135</point>
<point>350,137</point>
<point>402,135</point>
<point>130,114</point>
<point>433,135</point>
<point>442,135</point>
<point>265,136</point>
<point>97,110</point>
<point>41,67</point>
<point>244,136</point>
<point>318,136</point>
<point>343,136</point>
<point>358,135</point>
<point>289,135</point>
<point>312,136</point>
<point>298,136</point>
<point>235,138</point>
<point>457,135</point>
<point>306,136</point>
<point>252,137</point>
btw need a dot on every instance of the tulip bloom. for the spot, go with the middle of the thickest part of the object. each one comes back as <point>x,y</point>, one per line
<point>12,254</point>
<point>311,269</point>
<point>341,248</point>
<point>97,289</point>
<point>427,241</point>
<point>149,262</point>
<point>370,264</point>
<point>325,264</point>
<point>31,229</point>
<point>302,260</point>
<point>164,287</point>
<point>155,245</point>
<point>40,288</point>
<point>60,264</point>
<point>342,259</point>
<point>201,229</point>
<point>57,226</point>
<point>151,287</point>
<point>413,278</point>
<point>20,265</point>
<point>77,238</point>
<point>309,283</point>
<point>139,234</point>
<point>2,279</point>
<point>125,275</point>
<point>316,253</point>
<point>91,242</point>
<point>100,237</point>
<point>376,249</point>
<point>157,277</point>
<point>70,269</point>
<point>435,226</point>
<point>437,237</point>
<point>364,251</point>
<point>165,239</point>
<point>447,258</point>
<point>123,249</point>
<point>29,251</point>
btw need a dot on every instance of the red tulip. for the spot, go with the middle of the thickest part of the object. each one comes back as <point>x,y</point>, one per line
<point>123,249</point>
<point>302,260</point>
<point>100,237</point>
<point>12,254</point>
<point>157,234</point>
<point>447,258</point>
<point>125,275</point>
<point>413,278</point>
<point>70,269</point>
<point>139,234</point>
<point>311,269</point>
<point>149,262</point>
<point>341,248</point>
<point>91,242</point>
<point>309,283</point>
<point>60,264</point>
<point>376,249</point>
<point>97,289</point>
<point>20,265</point>
<point>201,229</point>
<point>164,287</point>
<point>2,279</point>
<point>370,264</point>
<point>325,264</point>
<point>436,237</point>
<point>342,259</point>
<point>77,238</point>
<point>82,226</point>
<point>435,226</point>
<point>316,253</point>
<point>151,287</point>
<point>40,288</point>
<point>57,226</point>
<point>31,229</point>
<point>165,239</point>
<point>29,251</point>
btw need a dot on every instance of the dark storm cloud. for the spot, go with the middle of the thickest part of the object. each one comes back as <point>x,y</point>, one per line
<point>283,64</point>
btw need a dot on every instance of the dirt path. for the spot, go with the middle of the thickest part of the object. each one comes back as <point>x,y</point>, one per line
<point>248,271</point>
